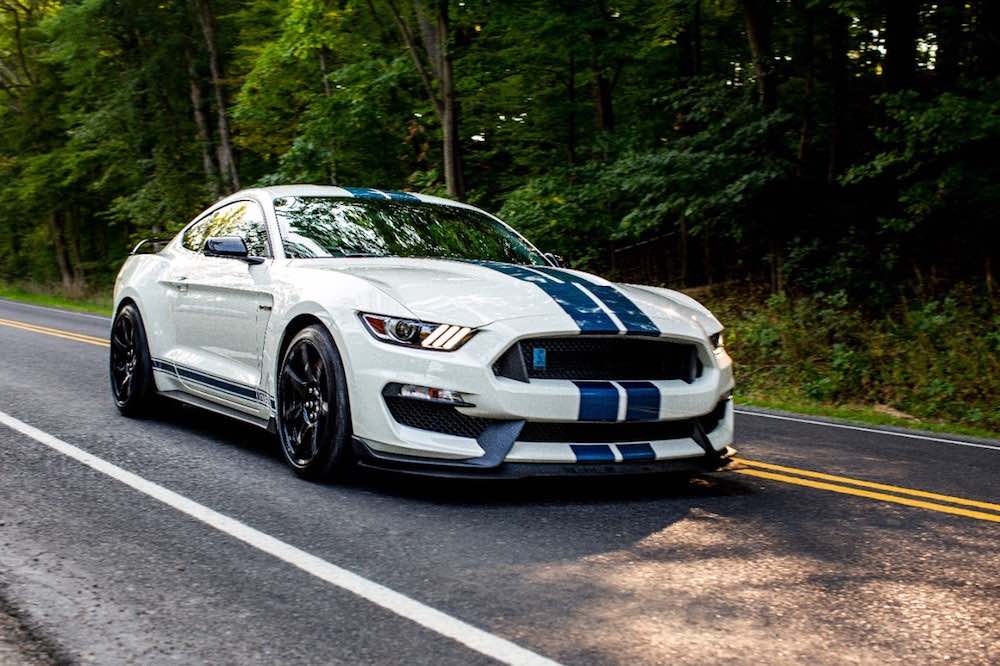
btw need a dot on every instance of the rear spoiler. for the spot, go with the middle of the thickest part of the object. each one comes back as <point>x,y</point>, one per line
<point>150,246</point>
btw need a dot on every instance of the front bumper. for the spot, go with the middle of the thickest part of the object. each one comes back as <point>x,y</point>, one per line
<point>369,459</point>
<point>384,441</point>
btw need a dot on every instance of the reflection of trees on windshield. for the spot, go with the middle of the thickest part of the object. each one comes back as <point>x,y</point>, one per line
<point>329,227</point>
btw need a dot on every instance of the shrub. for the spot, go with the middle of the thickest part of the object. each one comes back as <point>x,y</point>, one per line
<point>936,360</point>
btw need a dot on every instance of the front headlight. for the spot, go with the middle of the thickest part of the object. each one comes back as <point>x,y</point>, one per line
<point>417,334</point>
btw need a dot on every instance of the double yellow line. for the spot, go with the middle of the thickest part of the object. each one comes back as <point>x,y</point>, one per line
<point>922,499</point>
<point>56,333</point>
<point>869,489</point>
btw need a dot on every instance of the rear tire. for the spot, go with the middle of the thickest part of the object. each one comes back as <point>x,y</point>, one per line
<point>130,366</point>
<point>313,411</point>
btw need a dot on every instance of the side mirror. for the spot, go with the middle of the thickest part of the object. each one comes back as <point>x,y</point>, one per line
<point>230,247</point>
<point>555,259</point>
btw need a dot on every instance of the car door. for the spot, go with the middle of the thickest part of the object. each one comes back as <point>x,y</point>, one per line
<point>222,309</point>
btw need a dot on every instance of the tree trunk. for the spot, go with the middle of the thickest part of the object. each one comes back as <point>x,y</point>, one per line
<point>757,19</point>
<point>602,86</point>
<point>986,44</point>
<point>57,227</point>
<point>323,51</point>
<point>602,101</point>
<point>696,39</point>
<point>433,60</point>
<point>806,59</point>
<point>950,38</point>
<point>900,43</point>
<point>201,123</point>
<point>571,112</point>
<point>689,44</point>
<point>331,169</point>
<point>224,150</point>
<point>839,94</point>
<point>452,140</point>
<point>684,251</point>
<point>706,246</point>
<point>72,242</point>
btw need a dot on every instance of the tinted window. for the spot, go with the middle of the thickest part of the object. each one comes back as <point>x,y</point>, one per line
<point>242,219</point>
<point>331,227</point>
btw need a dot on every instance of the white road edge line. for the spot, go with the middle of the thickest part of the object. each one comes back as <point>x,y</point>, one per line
<point>54,309</point>
<point>472,637</point>
<point>875,430</point>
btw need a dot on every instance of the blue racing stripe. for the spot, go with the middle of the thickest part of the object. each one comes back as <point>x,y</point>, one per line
<point>592,452</point>
<point>587,314</point>
<point>365,193</point>
<point>598,401</point>
<point>403,196</point>
<point>637,452</point>
<point>643,401</point>
<point>635,320</point>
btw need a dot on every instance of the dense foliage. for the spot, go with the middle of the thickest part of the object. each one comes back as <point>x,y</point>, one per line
<point>936,360</point>
<point>829,151</point>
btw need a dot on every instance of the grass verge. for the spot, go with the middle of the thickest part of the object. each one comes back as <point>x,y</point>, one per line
<point>95,304</point>
<point>865,415</point>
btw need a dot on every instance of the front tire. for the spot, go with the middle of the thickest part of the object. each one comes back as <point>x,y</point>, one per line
<point>131,368</point>
<point>313,412</point>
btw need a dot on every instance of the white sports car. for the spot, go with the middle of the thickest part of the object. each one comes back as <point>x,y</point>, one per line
<point>403,331</point>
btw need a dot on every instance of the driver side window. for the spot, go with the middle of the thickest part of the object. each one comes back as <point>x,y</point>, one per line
<point>241,218</point>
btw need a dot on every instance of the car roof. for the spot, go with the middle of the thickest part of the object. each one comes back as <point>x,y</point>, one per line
<point>277,191</point>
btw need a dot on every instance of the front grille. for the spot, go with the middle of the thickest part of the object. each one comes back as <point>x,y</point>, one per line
<point>449,421</point>
<point>589,358</point>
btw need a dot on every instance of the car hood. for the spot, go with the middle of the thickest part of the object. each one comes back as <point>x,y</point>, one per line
<point>476,294</point>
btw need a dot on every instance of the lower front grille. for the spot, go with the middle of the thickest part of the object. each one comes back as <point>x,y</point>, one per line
<point>447,420</point>
<point>436,417</point>
<point>605,433</point>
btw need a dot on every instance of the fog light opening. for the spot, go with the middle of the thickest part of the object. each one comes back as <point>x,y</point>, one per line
<point>427,393</point>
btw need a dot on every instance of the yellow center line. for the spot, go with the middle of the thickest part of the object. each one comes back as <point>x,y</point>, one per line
<point>895,499</point>
<point>870,484</point>
<point>56,333</point>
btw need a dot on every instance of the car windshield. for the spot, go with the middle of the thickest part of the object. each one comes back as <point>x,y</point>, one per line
<point>338,227</point>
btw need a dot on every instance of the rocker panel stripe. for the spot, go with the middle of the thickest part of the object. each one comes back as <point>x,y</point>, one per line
<point>238,390</point>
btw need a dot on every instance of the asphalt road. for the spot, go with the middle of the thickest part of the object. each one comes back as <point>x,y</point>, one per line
<point>762,565</point>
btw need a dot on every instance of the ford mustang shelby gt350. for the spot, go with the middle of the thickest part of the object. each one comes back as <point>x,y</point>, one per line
<point>405,331</point>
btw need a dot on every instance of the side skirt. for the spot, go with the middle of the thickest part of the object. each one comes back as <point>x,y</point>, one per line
<point>194,400</point>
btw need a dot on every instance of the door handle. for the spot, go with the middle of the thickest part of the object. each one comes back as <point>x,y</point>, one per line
<point>179,283</point>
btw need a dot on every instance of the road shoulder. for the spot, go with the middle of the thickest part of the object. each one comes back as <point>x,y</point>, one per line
<point>875,427</point>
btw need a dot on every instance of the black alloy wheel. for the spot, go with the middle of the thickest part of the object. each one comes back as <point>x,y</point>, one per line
<point>313,412</point>
<point>131,369</point>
